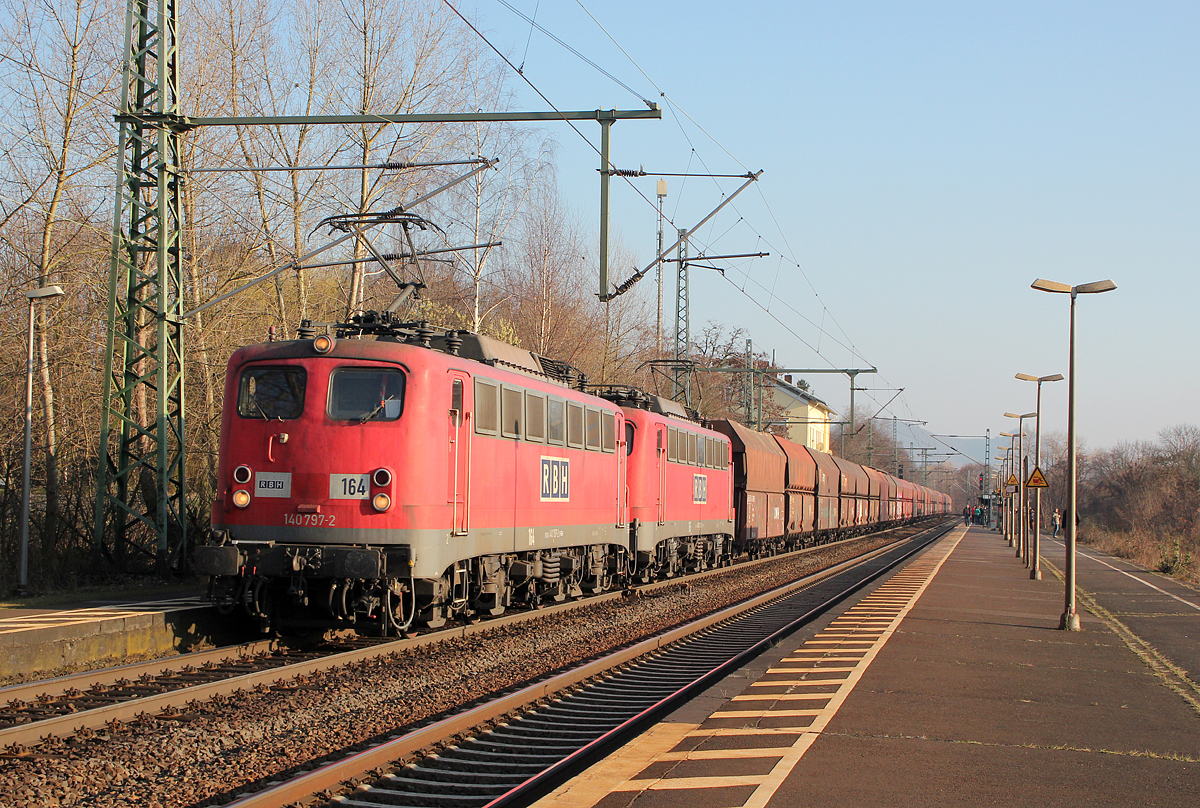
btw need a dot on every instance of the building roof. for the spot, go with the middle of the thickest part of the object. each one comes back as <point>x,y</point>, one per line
<point>795,392</point>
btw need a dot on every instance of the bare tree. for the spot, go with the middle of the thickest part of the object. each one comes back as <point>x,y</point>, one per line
<point>59,84</point>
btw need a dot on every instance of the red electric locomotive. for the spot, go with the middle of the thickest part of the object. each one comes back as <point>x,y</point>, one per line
<point>384,473</point>
<point>680,488</point>
<point>379,474</point>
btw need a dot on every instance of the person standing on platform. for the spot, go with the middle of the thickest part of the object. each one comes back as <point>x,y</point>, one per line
<point>1056,521</point>
<point>966,515</point>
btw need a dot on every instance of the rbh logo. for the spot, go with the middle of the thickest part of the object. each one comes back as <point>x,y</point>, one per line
<point>699,489</point>
<point>556,479</point>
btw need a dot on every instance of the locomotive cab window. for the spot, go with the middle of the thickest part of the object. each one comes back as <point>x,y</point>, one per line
<point>366,394</point>
<point>271,392</point>
<point>629,433</point>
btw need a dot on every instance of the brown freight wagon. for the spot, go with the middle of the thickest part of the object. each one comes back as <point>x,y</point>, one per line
<point>759,468</point>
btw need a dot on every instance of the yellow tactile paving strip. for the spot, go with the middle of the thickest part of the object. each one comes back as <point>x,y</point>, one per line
<point>840,655</point>
<point>71,617</point>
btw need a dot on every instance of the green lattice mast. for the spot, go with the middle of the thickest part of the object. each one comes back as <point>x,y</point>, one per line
<point>140,483</point>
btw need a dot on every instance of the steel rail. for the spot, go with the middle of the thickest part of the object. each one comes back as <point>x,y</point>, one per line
<point>33,732</point>
<point>331,775</point>
<point>30,691</point>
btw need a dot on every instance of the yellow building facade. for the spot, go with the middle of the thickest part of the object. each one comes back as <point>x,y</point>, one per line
<point>807,417</point>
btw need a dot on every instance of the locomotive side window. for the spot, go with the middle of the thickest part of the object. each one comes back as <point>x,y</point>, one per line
<point>701,454</point>
<point>366,394</point>
<point>271,393</point>
<point>608,432</point>
<point>593,428</point>
<point>672,444</point>
<point>556,421</point>
<point>691,448</point>
<point>486,407</point>
<point>574,425</point>
<point>535,417</point>
<point>456,402</point>
<point>510,411</point>
<point>629,432</point>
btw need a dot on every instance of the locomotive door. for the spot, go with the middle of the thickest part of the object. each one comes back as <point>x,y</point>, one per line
<point>622,469</point>
<point>458,489</point>
<point>661,459</point>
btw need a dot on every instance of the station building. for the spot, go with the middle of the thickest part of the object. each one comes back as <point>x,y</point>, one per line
<point>807,417</point>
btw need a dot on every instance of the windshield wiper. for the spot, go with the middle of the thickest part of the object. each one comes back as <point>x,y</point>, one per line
<point>261,411</point>
<point>375,411</point>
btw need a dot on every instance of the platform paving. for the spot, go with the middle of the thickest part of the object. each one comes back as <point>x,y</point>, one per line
<point>38,640</point>
<point>949,684</point>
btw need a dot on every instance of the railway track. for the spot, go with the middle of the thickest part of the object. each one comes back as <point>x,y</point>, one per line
<point>29,712</point>
<point>579,715</point>
<point>177,689</point>
<point>33,711</point>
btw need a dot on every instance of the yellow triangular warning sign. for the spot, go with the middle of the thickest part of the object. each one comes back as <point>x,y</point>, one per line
<point>1037,479</point>
<point>1012,480</point>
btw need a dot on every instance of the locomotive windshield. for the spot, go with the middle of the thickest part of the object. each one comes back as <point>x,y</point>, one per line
<point>271,392</point>
<point>366,394</point>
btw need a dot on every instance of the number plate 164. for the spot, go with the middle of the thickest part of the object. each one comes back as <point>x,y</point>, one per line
<point>349,486</point>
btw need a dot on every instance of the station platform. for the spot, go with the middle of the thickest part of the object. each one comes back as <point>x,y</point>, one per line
<point>36,641</point>
<point>947,684</point>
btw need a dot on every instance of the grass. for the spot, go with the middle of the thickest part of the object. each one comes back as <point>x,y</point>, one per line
<point>1173,556</point>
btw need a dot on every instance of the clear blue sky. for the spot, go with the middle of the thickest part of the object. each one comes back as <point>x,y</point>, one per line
<point>923,164</point>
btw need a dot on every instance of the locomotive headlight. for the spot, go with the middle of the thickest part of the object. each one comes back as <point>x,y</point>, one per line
<point>241,497</point>
<point>381,502</point>
<point>382,478</point>
<point>242,474</point>
<point>323,344</point>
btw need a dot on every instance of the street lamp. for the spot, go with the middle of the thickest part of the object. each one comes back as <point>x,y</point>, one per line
<point>1070,617</point>
<point>1023,521</point>
<point>1035,569</point>
<point>1011,449</point>
<point>997,488</point>
<point>34,295</point>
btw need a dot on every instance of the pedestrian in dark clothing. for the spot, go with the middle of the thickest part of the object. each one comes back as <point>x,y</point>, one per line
<point>966,515</point>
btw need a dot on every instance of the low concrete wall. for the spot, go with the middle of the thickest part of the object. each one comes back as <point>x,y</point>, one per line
<point>49,648</point>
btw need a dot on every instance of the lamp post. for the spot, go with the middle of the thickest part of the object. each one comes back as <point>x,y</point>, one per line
<point>33,295</point>
<point>1070,617</point>
<point>1012,453</point>
<point>1035,568</point>
<point>1023,506</point>
<point>997,486</point>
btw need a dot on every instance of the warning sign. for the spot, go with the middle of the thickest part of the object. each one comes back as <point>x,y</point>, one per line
<point>1037,479</point>
<point>1012,480</point>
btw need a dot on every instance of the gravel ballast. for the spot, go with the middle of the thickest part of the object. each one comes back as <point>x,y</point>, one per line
<point>211,752</point>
